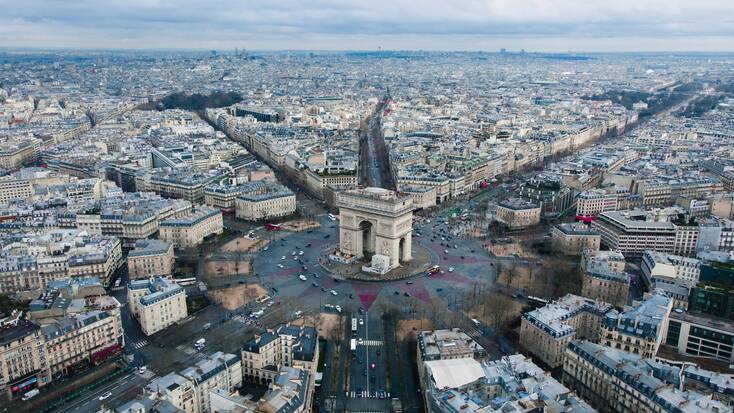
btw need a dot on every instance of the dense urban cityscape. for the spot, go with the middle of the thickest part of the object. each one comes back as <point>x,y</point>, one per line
<point>235,231</point>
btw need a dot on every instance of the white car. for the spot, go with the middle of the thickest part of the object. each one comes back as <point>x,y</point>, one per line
<point>302,277</point>
<point>333,292</point>
<point>338,308</point>
<point>451,269</point>
<point>142,369</point>
<point>280,265</point>
<point>300,252</point>
<point>105,396</point>
<point>361,321</point>
<point>282,258</point>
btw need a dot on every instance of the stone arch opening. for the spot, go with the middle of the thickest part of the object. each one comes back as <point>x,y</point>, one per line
<point>401,249</point>
<point>368,238</point>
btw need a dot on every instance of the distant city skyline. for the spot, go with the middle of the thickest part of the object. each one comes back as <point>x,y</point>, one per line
<point>533,25</point>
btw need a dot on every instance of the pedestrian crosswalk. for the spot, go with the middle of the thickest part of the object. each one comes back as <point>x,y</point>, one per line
<point>371,343</point>
<point>118,288</point>
<point>186,349</point>
<point>366,411</point>
<point>364,394</point>
<point>473,333</point>
<point>139,344</point>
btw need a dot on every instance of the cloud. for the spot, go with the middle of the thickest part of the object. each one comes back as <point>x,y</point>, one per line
<point>330,24</point>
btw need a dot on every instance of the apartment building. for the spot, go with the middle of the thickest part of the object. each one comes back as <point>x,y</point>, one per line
<point>596,201</point>
<point>545,332</point>
<point>600,282</point>
<point>612,259</point>
<point>150,258</point>
<point>615,381</point>
<point>517,213</point>
<point>218,371</point>
<point>189,231</point>
<point>16,153</point>
<point>178,183</point>
<point>273,201</point>
<point>286,345</point>
<point>52,255</point>
<point>573,239</point>
<point>22,356</point>
<point>317,182</point>
<point>510,384</point>
<point>639,329</point>
<point>424,197</point>
<point>176,390</point>
<point>448,344</point>
<point>157,303</point>
<point>75,341</point>
<point>660,267</point>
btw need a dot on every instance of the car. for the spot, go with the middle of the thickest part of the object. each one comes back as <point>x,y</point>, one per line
<point>282,258</point>
<point>315,284</point>
<point>293,253</point>
<point>333,292</point>
<point>316,275</point>
<point>406,294</point>
<point>295,258</point>
<point>280,265</point>
<point>445,251</point>
<point>361,321</point>
<point>397,292</point>
<point>302,277</point>
<point>326,236</point>
<point>451,269</point>
<point>142,369</point>
<point>275,290</point>
<point>361,310</point>
<point>105,396</point>
<point>323,290</point>
<point>360,340</point>
<point>409,282</point>
<point>304,268</point>
<point>308,245</point>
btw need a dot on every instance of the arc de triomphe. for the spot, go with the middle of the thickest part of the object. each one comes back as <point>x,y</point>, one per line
<point>376,221</point>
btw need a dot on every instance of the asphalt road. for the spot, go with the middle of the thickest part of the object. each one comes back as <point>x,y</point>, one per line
<point>121,390</point>
<point>414,297</point>
<point>374,159</point>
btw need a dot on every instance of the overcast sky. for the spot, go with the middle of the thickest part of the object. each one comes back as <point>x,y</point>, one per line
<point>535,25</point>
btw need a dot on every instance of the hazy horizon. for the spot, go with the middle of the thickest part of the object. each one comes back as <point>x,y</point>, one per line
<point>328,25</point>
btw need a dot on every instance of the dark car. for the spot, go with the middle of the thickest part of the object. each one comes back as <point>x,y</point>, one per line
<point>406,294</point>
<point>397,292</point>
<point>439,289</point>
<point>327,236</point>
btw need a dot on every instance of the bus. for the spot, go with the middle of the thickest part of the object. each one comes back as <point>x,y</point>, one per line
<point>354,326</point>
<point>185,281</point>
<point>272,227</point>
<point>353,344</point>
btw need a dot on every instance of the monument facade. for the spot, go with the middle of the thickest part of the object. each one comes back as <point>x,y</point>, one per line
<point>376,221</point>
